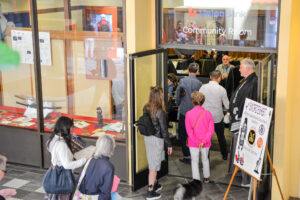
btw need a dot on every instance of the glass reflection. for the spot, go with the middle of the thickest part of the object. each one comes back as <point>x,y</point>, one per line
<point>251,23</point>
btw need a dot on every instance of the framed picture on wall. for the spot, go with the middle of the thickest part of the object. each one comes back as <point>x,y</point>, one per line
<point>101,19</point>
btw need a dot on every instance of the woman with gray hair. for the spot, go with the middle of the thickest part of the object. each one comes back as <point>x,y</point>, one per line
<point>99,171</point>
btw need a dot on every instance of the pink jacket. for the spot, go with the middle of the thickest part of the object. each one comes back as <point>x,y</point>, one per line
<point>203,130</point>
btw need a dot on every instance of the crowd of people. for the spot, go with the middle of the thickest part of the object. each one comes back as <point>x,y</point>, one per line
<point>201,113</point>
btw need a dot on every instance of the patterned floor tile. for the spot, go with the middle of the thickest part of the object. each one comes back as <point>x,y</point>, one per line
<point>16,183</point>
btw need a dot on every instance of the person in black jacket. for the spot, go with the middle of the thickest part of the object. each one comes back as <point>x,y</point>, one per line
<point>246,89</point>
<point>155,143</point>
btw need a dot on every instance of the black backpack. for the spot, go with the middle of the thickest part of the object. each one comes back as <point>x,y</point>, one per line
<point>145,125</point>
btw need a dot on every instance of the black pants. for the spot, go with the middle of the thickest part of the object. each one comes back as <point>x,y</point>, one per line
<point>219,129</point>
<point>183,136</point>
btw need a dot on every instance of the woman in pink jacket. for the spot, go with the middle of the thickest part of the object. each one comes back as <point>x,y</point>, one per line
<point>200,128</point>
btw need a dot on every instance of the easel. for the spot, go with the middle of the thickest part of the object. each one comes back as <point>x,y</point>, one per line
<point>255,180</point>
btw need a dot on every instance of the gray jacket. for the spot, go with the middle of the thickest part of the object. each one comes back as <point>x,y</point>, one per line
<point>189,85</point>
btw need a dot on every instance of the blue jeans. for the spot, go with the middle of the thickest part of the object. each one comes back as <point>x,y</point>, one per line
<point>183,136</point>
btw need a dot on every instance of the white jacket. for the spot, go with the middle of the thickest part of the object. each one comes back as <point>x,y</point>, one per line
<point>61,155</point>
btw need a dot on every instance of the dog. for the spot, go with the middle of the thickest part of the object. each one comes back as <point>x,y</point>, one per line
<point>188,191</point>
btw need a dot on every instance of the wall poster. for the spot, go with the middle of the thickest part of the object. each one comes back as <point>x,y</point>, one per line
<point>22,42</point>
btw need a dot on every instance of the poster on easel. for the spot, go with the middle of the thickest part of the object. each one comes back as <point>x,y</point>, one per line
<point>252,137</point>
<point>22,42</point>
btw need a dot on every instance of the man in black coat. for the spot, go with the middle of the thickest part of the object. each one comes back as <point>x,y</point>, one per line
<point>246,89</point>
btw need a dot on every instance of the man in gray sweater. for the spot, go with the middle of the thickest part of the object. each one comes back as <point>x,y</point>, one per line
<point>184,90</point>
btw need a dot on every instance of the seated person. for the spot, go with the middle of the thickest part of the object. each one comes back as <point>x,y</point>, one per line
<point>224,68</point>
<point>99,176</point>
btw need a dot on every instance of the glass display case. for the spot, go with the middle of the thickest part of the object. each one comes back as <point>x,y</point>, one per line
<point>82,67</point>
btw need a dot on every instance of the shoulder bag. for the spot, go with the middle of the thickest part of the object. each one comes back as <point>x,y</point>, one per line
<point>78,195</point>
<point>59,180</point>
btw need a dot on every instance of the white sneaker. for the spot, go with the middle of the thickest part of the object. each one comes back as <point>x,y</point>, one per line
<point>245,185</point>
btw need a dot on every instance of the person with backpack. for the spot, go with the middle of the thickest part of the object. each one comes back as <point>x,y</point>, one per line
<point>155,109</point>
<point>199,125</point>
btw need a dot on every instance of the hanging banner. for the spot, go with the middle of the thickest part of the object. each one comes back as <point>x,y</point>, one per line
<point>22,42</point>
<point>252,138</point>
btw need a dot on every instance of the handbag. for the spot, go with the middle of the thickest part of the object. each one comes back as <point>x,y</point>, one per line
<point>59,180</point>
<point>78,195</point>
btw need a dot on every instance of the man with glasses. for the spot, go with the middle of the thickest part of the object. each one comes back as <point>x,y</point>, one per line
<point>5,193</point>
<point>224,68</point>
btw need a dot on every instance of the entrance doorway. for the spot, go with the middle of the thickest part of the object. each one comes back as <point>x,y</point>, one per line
<point>265,68</point>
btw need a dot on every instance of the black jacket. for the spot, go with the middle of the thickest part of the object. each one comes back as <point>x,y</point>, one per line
<point>160,125</point>
<point>2,198</point>
<point>247,89</point>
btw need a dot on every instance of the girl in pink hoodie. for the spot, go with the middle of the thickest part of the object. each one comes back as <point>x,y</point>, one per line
<point>200,128</point>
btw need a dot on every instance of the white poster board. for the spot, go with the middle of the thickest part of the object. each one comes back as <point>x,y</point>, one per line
<point>252,137</point>
<point>22,42</point>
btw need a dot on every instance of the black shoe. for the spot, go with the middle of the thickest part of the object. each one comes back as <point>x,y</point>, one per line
<point>185,160</point>
<point>152,195</point>
<point>224,157</point>
<point>157,187</point>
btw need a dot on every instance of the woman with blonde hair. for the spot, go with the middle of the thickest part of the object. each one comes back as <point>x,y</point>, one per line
<point>155,143</point>
<point>200,128</point>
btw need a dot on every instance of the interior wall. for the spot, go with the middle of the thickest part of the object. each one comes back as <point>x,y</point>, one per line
<point>77,19</point>
<point>89,93</point>
<point>294,55</point>
<point>51,21</point>
<point>286,140</point>
<point>14,6</point>
<point>54,76</point>
<point>16,81</point>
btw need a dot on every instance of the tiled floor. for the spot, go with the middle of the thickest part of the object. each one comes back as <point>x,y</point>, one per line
<point>28,180</point>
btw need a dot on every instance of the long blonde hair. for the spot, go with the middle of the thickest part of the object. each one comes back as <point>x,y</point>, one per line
<point>156,101</point>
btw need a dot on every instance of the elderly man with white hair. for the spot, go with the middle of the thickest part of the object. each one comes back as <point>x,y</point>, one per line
<point>246,89</point>
<point>99,174</point>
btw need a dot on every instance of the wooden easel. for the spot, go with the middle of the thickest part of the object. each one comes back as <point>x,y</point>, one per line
<point>255,180</point>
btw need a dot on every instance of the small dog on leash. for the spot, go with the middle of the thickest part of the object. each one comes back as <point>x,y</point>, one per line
<point>188,191</point>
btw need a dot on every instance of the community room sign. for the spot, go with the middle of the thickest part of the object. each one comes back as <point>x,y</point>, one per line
<point>252,138</point>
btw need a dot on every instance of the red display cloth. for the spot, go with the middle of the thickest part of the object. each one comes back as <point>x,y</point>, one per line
<point>9,117</point>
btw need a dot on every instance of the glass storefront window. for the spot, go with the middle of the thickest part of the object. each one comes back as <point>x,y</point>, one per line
<point>17,85</point>
<point>85,79</point>
<point>247,23</point>
<point>82,66</point>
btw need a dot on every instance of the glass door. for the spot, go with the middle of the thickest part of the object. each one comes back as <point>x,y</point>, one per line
<point>147,68</point>
<point>266,93</point>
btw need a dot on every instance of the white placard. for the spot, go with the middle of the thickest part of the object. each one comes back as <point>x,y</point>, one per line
<point>252,137</point>
<point>22,42</point>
